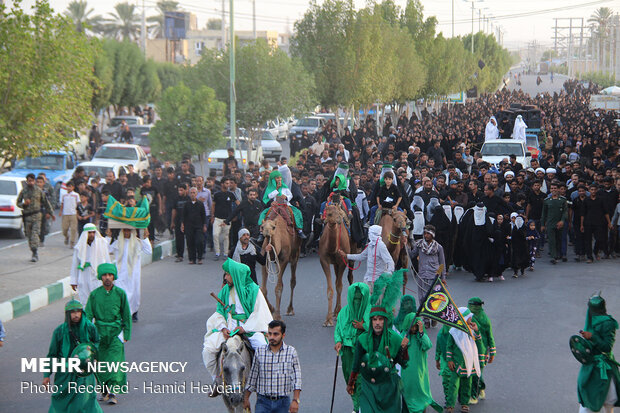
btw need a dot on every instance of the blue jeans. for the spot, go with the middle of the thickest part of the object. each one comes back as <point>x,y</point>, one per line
<point>266,405</point>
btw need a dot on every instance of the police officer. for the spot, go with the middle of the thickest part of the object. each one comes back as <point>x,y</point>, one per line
<point>31,200</point>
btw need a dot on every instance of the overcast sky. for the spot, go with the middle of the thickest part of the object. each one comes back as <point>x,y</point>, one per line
<point>522,21</point>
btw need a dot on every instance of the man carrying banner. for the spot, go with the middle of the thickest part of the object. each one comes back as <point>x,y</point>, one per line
<point>90,251</point>
<point>379,350</point>
<point>431,263</point>
<point>67,336</point>
<point>486,346</point>
<point>598,384</point>
<point>463,360</point>
<point>109,307</point>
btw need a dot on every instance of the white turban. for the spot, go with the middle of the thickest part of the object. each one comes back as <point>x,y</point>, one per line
<point>539,170</point>
<point>551,170</point>
<point>509,173</point>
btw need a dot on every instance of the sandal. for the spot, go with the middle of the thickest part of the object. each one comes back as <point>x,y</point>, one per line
<point>465,409</point>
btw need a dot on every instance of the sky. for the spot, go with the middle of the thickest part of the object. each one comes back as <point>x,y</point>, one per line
<point>521,21</point>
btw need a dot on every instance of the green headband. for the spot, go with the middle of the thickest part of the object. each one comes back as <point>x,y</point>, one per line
<point>73,305</point>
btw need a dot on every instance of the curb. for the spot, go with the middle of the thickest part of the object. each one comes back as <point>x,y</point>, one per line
<point>46,295</point>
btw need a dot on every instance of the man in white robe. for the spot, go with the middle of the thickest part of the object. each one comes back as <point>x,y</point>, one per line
<point>518,132</point>
<point>90,251</point>
<point>127,250</point>
<point>491,132</point>
<point>244,311</point>
<point>376,254</point>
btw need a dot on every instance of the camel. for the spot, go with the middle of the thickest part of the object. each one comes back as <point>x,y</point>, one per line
<point>285,249</point>
<point>334,237</point>
<point>392,226</point>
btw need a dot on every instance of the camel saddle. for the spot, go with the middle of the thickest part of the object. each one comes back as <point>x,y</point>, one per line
<point>280,207</point>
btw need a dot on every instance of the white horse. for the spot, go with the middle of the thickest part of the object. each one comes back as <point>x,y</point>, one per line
<point>234,362</point>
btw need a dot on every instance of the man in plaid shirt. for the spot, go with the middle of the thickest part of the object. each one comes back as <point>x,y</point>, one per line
<point>275,374</point>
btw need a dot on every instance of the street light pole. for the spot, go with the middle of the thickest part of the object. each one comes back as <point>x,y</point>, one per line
<point>452,18</point>
<point>233,98</point>
<point>472,27</point>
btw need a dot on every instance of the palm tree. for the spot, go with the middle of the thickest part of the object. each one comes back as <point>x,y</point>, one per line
<point>157,28</point>
<point>78,12</point>
<point>599,26</point>
<point>124,24</point>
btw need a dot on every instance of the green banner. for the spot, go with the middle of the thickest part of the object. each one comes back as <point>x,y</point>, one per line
<point>138,216</point>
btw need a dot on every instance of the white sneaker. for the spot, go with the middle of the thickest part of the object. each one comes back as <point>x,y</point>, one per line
<point>482,395</point>
<point>490,279</point>
<point>501,277</point>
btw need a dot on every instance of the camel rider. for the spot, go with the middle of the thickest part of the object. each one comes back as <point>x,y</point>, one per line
<point>245,311</point>
<point>276,187</point>
<point>338,196</point>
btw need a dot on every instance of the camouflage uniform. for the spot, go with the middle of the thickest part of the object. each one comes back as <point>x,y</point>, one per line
<point>32,213</point>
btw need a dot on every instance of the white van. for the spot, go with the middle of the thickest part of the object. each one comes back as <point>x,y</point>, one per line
<point>495,151</point>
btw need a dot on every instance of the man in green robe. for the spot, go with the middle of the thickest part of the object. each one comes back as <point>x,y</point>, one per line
<point>75,330</point>
<point>407,306</point>
<point>486,347</point>
<point>598,384</point>
<point>353,320</point>
<point>109,307</point>
<point>414,377</point>
<point>378,351</point>
<point>276,187</point>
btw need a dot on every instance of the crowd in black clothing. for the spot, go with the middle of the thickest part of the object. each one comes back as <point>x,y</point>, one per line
<point>434,154</point>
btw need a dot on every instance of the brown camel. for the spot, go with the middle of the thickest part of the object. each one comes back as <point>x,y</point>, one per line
<point>285,249</point>
<point>393,223</point>
<point>334,237</point>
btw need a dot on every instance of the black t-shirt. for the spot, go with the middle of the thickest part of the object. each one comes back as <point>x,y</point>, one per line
<point>171,191</point>
<point>185,178</point>
<point>179,206</point>
<point>115,189</point>
<point>388,196</point>
<point>151,195</point>
<point>535,201</point>
<point>223,201</point>
<point>594,212</point>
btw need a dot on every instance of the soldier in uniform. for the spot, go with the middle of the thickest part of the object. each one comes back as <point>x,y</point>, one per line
<point>45,222</point>
<point>31,200</point>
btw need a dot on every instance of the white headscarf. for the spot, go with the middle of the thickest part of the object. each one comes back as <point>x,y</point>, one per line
<point>418,223</point>
<point>519,222</point>
<point>100,244</point>
<point>134,249</point>
<point>374,232</point>
<point>518,132</point>
<point>448,211</point>
<point>467,345</point>
<point>458,213</point>
<point>479,215</point>
<point>491,132</point>
<point>430,209</point>
<point>239,251</point>
<point>287,179</point>
<point>417,202</point>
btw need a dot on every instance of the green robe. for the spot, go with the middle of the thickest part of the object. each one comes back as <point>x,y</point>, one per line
<point>380,390</point>
<point>415,381</point>
<point>486,347</point>
<point>110,309</point>
<point>346,334</point>
<point>594,378</point>
<point>61,346</point>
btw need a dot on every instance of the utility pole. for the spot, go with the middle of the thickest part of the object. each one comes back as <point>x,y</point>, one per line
<point>452,17</point>
<point>472,27</point>
<point>570,49</point>
<point>233,97</point>
<point>143,30</point>
<point>254,18</point>
<point>223,28</point>
<point>479,19</point>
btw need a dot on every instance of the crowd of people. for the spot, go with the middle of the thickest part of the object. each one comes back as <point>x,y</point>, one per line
<point>501,216</point>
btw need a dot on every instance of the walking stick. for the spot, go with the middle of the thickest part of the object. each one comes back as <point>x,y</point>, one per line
<point>331,409</point>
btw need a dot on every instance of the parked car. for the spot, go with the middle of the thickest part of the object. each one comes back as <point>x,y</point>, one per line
<point>313,124</point>
<point>101,168</point>
<point>215,160</point>
<point>113,130</point>
<point>141,136</point>
<point>10,213</point>
<point>57,165</point>
<point>497,150</point>
<point>124,154</point>
<point>271,147</point>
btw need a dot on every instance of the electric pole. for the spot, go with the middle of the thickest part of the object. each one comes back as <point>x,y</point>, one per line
<point>452,18</point>
<point>233,98</point>
<point>472,27</point>
<point>143,30</point>
<point>223,28</point>
<point>254,18</point>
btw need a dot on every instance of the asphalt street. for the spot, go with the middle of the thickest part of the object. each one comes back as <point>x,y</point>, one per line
<point>528,84</point>
<point>533,318</point>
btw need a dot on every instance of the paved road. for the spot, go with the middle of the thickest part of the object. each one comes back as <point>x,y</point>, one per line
<point>532,319</point>
<point>528,84</point>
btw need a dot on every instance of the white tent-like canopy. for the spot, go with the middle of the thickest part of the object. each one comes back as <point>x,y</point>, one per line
<point>611,90</point>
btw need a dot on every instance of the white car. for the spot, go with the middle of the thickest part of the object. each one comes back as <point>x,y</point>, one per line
<point>271,147</point>
<point>215,160</point>
<point>10,213</point>
<point>495,151</point>
<point>113,130</point>
<point>101,168</point>
<point>124,154</point>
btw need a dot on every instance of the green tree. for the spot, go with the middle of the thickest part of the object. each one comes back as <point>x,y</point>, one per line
<point>103,80</point>
<point>157,21</point>
<point>81,16</point>
<point>169,75</point>
<point>191,121</point>
<point>124,23</point>
<point>548,55</point>
<point>46,74</point>
<point>268,83</point>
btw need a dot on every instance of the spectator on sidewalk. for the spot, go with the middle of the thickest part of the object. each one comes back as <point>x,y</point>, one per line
<point>68,214</point>
<point>222,205</point>
<point>193,226</point>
